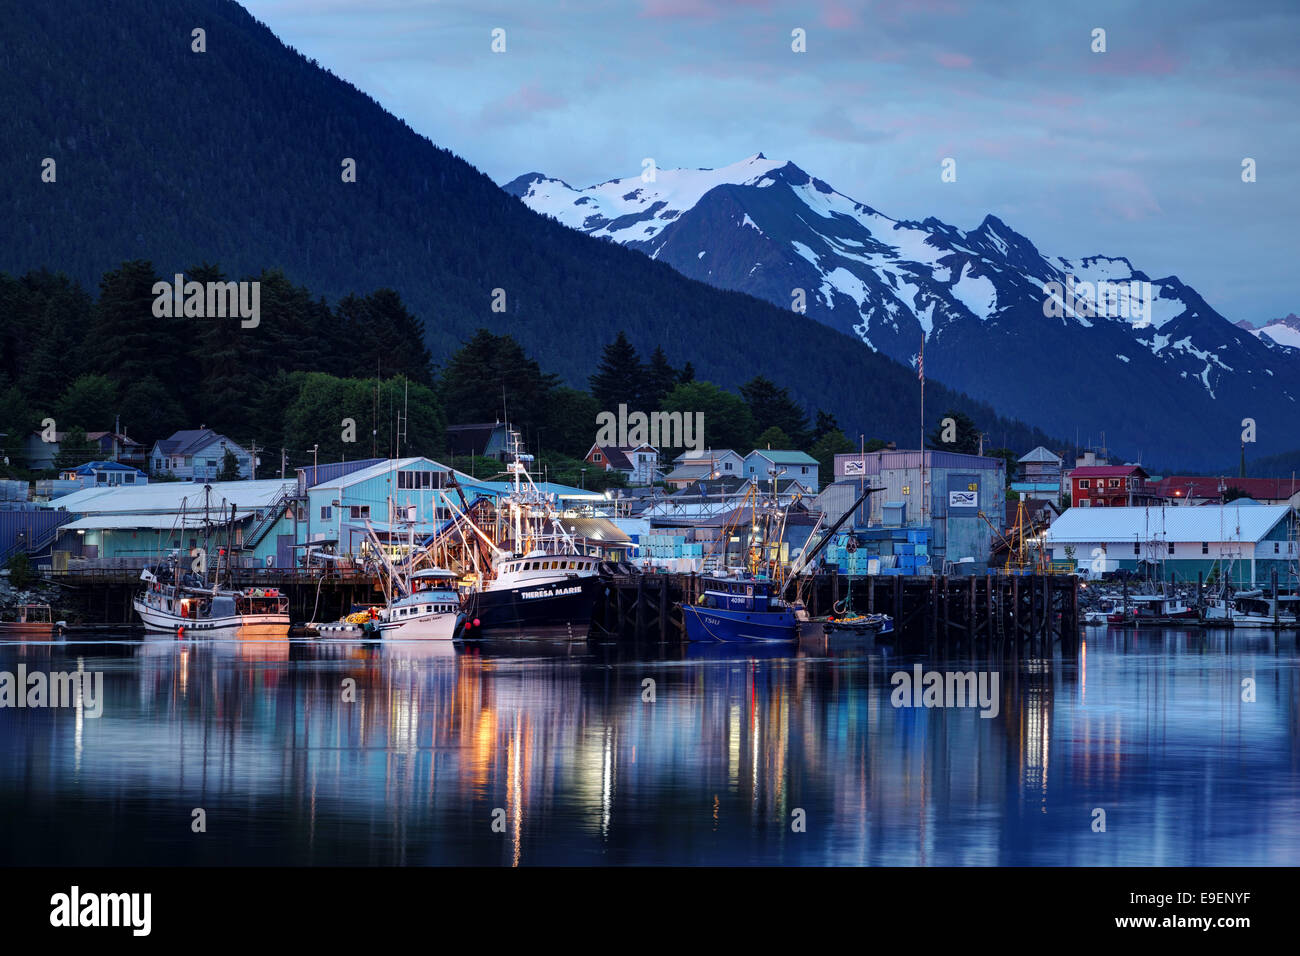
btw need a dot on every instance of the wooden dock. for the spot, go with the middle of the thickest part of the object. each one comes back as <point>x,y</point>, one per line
<point>967,614</point>
<point>974,614</point>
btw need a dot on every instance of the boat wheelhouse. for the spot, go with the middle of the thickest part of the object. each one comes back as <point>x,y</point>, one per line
<point>1254,609</point>
<point>31,620</point>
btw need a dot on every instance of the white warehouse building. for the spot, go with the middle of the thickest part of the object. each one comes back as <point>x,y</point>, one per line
<point>1244,543</point>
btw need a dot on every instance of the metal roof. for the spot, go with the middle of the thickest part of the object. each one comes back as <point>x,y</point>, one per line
<point>1176,523</point>
<point>1040,454</point>
<point>779,456</point>
<point>167,496</point>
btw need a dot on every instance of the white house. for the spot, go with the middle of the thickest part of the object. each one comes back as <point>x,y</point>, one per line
<point>196,454</point>
<point>763,464</point>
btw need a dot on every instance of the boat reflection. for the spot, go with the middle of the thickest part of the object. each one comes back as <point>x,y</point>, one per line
<point>519,752</point>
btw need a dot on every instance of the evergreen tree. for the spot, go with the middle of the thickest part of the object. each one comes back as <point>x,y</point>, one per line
<point>659,379</point>
<point>489,370</point>
<point>619,377</point>
<point>687,374</point>
<point>963,432</point>
<point>229,470</point>
<point>831,443</point>
<point>772,407</point>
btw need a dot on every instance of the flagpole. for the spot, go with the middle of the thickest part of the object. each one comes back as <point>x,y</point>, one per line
<point>920,371</point>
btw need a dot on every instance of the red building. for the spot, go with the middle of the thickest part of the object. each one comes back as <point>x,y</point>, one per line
<point>1110,486</point>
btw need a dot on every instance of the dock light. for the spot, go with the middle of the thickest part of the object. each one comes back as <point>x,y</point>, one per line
<point>476,622</point>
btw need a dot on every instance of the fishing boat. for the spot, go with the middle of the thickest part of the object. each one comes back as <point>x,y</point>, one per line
<point>1253,609</point>
<point>32,620</point>
<point>742,608</point>
<point>542,583</point>
<point>182,603</point>
<point>429,610</point>
<point>1161,609</point>
<point>751,604</point>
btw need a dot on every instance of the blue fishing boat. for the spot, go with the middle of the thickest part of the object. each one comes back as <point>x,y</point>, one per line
<point>741,608</point>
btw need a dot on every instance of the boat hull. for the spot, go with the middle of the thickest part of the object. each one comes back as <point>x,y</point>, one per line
<point>248,626</point>
<point>708,624</point>
<point>559,605</point>
<point>426,627</point>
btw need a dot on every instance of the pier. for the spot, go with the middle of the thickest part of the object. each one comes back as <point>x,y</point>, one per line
<point>971,614</point>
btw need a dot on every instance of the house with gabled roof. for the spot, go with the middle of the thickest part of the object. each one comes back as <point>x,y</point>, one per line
<point>196,454</point>
<point>639,463</point>
<point>691,466</point>
<point>763,464</point>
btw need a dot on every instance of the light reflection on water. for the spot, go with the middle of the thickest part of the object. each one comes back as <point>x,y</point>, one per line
<point>554,743</point>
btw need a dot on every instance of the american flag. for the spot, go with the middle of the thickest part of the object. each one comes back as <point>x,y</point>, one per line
<point>920,360</point>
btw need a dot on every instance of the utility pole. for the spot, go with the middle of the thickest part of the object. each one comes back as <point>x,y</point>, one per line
<point>252,461</point>
<point>282,464</point>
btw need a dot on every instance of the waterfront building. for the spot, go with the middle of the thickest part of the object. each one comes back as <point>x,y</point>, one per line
<point>1111,486</point>
<point>1040,474</point>
<point>1246,543</point>
<point>956,499</point>
<point>1204,489</point>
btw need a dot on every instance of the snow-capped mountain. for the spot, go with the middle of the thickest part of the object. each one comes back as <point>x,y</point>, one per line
<point>1284,331</point>
<point>1075,346</point>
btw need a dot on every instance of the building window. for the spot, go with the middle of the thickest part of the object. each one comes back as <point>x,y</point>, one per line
<point>130,479</point>
<point>1171,547</point>
<point>596,457</point>
<point>1277,547</point>
<point>1083,482</point>
<point>1137,548</point>
<point>359,511</point>
<point>1205,547</point>
<point>1114,482</point>
<point>727,466</point>
<point>326,512</point>
<point>157,464</point>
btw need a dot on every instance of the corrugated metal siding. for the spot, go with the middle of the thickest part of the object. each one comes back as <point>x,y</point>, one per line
<point>35,527</point>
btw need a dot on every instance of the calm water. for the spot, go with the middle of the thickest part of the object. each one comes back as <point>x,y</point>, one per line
<point>555,743</point>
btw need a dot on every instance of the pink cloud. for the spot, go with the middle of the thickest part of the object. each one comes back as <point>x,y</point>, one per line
<point>694,9</point>
<point>954,61</point>
<point>1143,61</point>
<point>837,16</point>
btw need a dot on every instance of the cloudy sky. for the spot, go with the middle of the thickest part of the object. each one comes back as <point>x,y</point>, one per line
<point>1136,151</point>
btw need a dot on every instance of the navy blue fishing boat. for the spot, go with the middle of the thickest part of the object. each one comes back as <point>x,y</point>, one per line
<point>741,609</point>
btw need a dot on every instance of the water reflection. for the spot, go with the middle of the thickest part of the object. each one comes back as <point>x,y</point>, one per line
<point>328,752</point>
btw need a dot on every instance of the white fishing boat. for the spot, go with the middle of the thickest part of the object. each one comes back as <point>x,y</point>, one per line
<point>429,611</point>
<point>1253,609</point>
<point>181,603</point>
